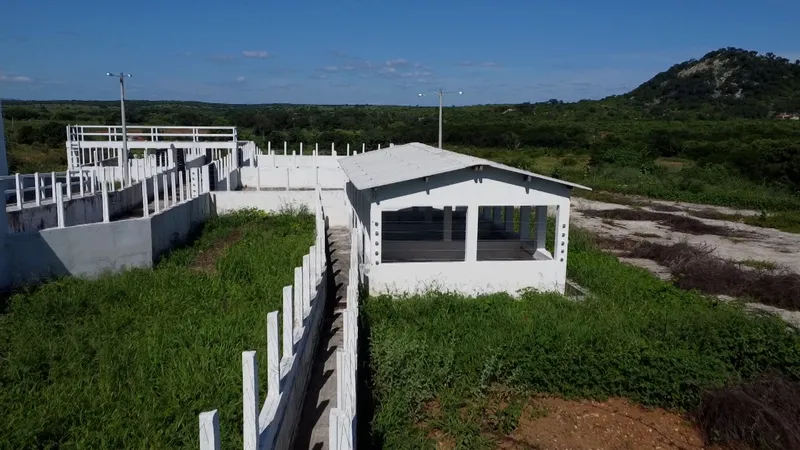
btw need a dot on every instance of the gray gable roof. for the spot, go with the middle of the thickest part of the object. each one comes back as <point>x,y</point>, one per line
<point>406,162</point>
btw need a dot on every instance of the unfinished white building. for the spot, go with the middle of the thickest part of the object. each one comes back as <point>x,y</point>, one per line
<point>433,219</point>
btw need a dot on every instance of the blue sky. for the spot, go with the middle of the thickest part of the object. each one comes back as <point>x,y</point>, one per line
<point>376,52</point>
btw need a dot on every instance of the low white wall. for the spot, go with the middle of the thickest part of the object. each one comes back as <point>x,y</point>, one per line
<point>93,249</point>
<point>89,208</point>
<point>468,278</point>
<point>293,177</point>
<point>333,202</point>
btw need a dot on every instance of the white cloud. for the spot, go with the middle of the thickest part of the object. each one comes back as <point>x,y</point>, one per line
<point>240,79</point>
<point>259,54</point>
<point>399,62</point>
<point>14,78</point>
<point>488,64</point>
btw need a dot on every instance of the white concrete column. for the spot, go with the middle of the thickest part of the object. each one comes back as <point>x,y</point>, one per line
<point>561,245</point>
<point>375,234</point>
<point>471,240</point>
<point>448,223</point>
<point>524,223</point>
<point>509,219</point>
<point>562,234</point>
<point>540,227</point>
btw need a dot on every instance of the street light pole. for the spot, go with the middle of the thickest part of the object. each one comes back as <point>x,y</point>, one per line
<point>440,93</point>
<point>123,159</point>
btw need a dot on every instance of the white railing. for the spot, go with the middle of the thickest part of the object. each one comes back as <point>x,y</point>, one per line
<point>342,422</point>
<point>271,425</point>
<point>272,157</point>
<point>33,189</point>
<point>172,188</point>
<point>150,133</point>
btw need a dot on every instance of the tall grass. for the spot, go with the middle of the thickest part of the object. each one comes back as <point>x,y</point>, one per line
<point>636,337</point>
<point>130,360</point>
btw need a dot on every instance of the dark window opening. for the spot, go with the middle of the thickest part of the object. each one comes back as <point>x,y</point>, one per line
<point>424,234</point>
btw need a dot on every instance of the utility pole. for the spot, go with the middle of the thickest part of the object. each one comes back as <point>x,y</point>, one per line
<point>123,157</point>
<point>440,93</point>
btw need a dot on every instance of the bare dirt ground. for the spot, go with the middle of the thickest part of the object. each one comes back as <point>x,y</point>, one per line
<point>206,260</point>
<point>612,424</point>
<point>673,223</point>
<point>551,423</point>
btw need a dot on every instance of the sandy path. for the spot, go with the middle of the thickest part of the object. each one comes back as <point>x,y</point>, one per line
<point>760,244</point>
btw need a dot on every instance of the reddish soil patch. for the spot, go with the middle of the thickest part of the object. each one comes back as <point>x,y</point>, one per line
<point>206,260</point>
<point>612,424</point>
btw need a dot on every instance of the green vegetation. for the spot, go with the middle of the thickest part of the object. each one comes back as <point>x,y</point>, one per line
<point>636,337</point>
<point>130,360</point>
<point>707,130</point>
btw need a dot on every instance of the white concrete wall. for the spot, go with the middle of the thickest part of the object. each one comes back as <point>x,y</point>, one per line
<point>274,201</point>
<point>292,177</point>
<point>89,208</point>
<point>471,277</point>
<point>93,249</point>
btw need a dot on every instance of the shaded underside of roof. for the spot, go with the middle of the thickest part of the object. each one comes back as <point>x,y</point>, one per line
<point>407,162</point>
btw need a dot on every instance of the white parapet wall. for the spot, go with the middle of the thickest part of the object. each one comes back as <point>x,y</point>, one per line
<point>276,201</point>
<point>83,200</point>
<point>93,249</point>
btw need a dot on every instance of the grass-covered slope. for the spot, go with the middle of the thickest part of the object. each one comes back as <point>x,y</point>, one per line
<point>129,361</point>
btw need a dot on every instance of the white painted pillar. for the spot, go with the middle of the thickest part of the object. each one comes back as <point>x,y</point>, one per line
<point>540,227</point>
<point>209,431</point>
<point>145,200</point>
<point>448,223</point>
<point>59,201</point>
<point>37,184</point>
<point>561,244</point>
<point>509,218</point>
<point>525,223</point>
<point>156,206</point>
<point>374,231</point>
<point>471,240</point>
<point>104,195</point>
<point>250,406</point>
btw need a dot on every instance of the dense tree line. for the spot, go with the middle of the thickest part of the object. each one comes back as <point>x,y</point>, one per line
<point>612,131</point>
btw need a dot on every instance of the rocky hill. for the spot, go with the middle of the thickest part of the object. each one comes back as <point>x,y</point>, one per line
<point>740,82</point>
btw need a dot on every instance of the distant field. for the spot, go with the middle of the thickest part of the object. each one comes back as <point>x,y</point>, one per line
<point>129,361</point>
<point>438,361</point>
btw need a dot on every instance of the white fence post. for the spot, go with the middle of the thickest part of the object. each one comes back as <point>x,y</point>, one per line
<point>288,329</point>
<point>298,298</point>
<point>37,184</point>
<point>106,216</point>
<point>273,358</point>
<point>18,190</point>
<point>181,187</point>
<point>166,191</point>
<point>250,400</point>
<point>145,200</point>
<point>306,285</point>
<point>68,179</point>
<point>59,201</point>
<point>209,431</point>
<point>156,206</point>
<point>174,191</point>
